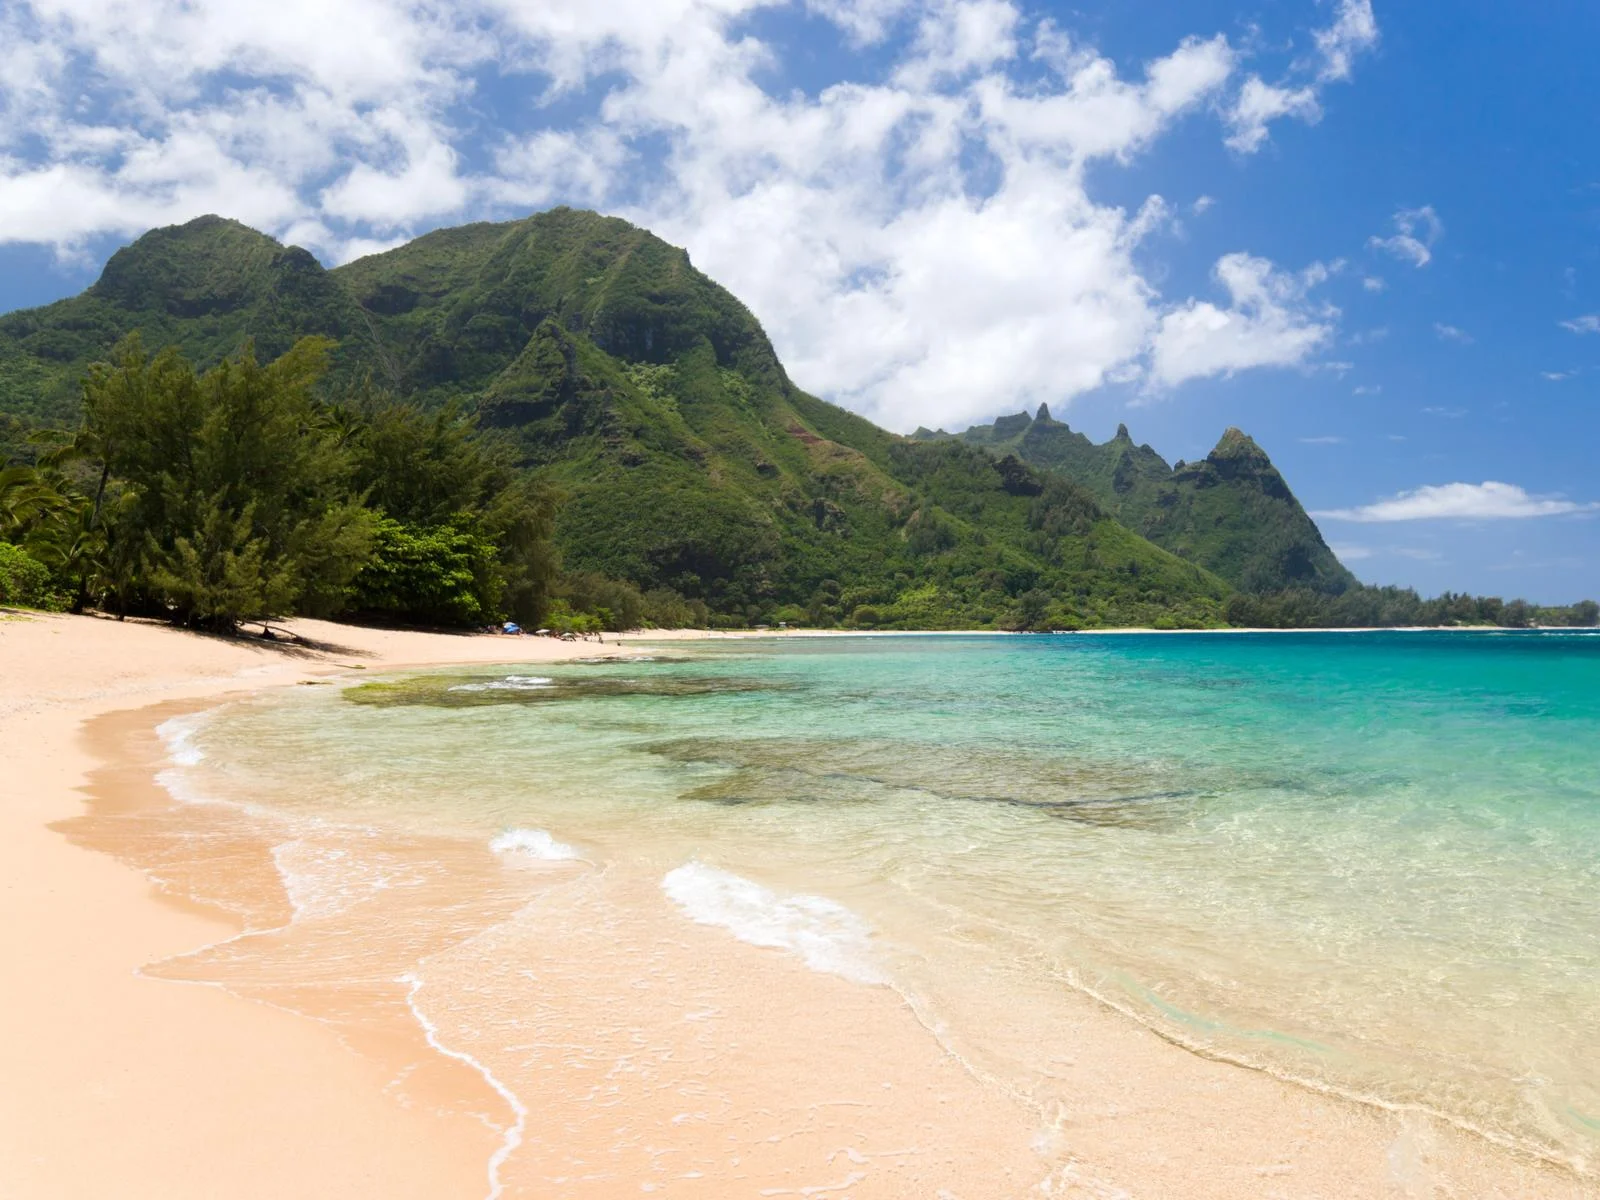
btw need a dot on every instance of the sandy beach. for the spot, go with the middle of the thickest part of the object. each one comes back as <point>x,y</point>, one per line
<point>128,1079</point>
<point>120,1085</point>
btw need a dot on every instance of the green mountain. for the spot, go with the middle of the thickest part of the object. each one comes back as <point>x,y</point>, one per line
<point>1231,512</point>
<point>655,403</point>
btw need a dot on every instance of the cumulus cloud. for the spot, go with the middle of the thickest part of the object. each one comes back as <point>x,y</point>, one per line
<point>1416,231</point>
<point>1589,323</point>
<point>922,245</point>
<point>1462,501</point>
<point>1354,30</point>
<point>1260,103</point>
<point>1269,322</point>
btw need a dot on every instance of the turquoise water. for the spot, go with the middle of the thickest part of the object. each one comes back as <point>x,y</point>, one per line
<point>1367,862</point>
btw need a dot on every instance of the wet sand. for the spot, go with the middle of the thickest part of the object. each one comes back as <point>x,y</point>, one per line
<point>612,1047</point>
<point>121,1085</point>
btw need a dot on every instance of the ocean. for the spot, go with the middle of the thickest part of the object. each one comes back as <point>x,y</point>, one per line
<point>1367,863</point>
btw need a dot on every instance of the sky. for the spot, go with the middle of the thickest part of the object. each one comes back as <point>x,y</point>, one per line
<point>1366,232</point>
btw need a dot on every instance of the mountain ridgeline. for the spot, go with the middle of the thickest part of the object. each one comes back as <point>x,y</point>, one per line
<point>689,467</point>
<point>1231,512</point>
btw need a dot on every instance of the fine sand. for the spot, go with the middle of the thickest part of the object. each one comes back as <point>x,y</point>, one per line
<point>118,1085</point>
<point>125,1079</point>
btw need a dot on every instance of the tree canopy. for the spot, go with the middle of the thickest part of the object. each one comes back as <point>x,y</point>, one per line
<point>241,493</point>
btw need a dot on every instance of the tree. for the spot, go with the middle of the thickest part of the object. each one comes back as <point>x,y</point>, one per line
<point>239,493</point>
<point>439,575</point>
<point>437,471</point>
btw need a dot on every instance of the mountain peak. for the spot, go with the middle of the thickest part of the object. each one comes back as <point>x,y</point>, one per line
<point>1043,414</point>
<point>1238,446</point>
<point>1124,436</point>
<point>209,265</point>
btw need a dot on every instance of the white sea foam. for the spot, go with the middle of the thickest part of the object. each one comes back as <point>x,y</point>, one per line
<point>535,843</point>
<point>177,736</point>
<point>826,935</point>
<point>512,1134</point>
<point>322,881</point>
<point>178,739</point>
<point>511,683</point>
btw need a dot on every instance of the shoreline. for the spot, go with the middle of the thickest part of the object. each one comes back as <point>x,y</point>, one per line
<point>164,1069</point>
<point>665,635</point>
<point>121,1084</point>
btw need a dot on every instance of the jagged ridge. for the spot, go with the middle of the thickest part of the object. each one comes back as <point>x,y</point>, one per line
<point>1231,512</point>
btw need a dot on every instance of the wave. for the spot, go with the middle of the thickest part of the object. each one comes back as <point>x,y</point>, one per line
<point>323,881</point>
<point>827,936</point>
<point>511,683</point>
<point>535,843</point>
<point>177,736</point>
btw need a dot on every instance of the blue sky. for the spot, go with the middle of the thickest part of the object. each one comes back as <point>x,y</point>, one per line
<point>1364,232</point>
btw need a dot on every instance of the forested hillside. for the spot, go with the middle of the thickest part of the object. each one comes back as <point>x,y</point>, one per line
<point>1231,512</point>
<point>686,464</point>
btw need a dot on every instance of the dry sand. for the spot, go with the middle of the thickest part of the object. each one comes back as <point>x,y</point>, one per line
<point>122,1082</point>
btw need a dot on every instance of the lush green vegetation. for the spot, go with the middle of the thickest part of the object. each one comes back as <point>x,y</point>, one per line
<point>1231,512</point>
<point>562,421</point>
<point>240,494</point>
<point>25,582</point>
<point>1362,607</point>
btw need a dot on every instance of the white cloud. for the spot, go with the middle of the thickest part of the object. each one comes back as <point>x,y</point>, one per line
<point>1355,30</point>
<point>1589,323</point>
<point>1270,322</point>
<point>1259,103</point>
<point>1323,441</point>
<point>1347,553</point>
<point>866,21</point>
<point>1440,410</point>
<point>1416,232</point>
<point>919,245</point>
<point>1367,389</point>
<point>1374,283</point>
<point>958,37</point>
<point>1461,501</point>
<point>1557,376</point>
<point>1450,333</point>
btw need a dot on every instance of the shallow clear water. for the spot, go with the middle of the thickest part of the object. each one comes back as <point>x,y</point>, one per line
<point>1368,862</point>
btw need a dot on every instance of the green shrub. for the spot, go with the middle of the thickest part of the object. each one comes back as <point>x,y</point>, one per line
<point>25,582</point>
<point>562,619</point>
<point>432,576</point>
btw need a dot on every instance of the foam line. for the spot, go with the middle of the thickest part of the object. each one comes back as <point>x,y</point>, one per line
<point>514,1131</point>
